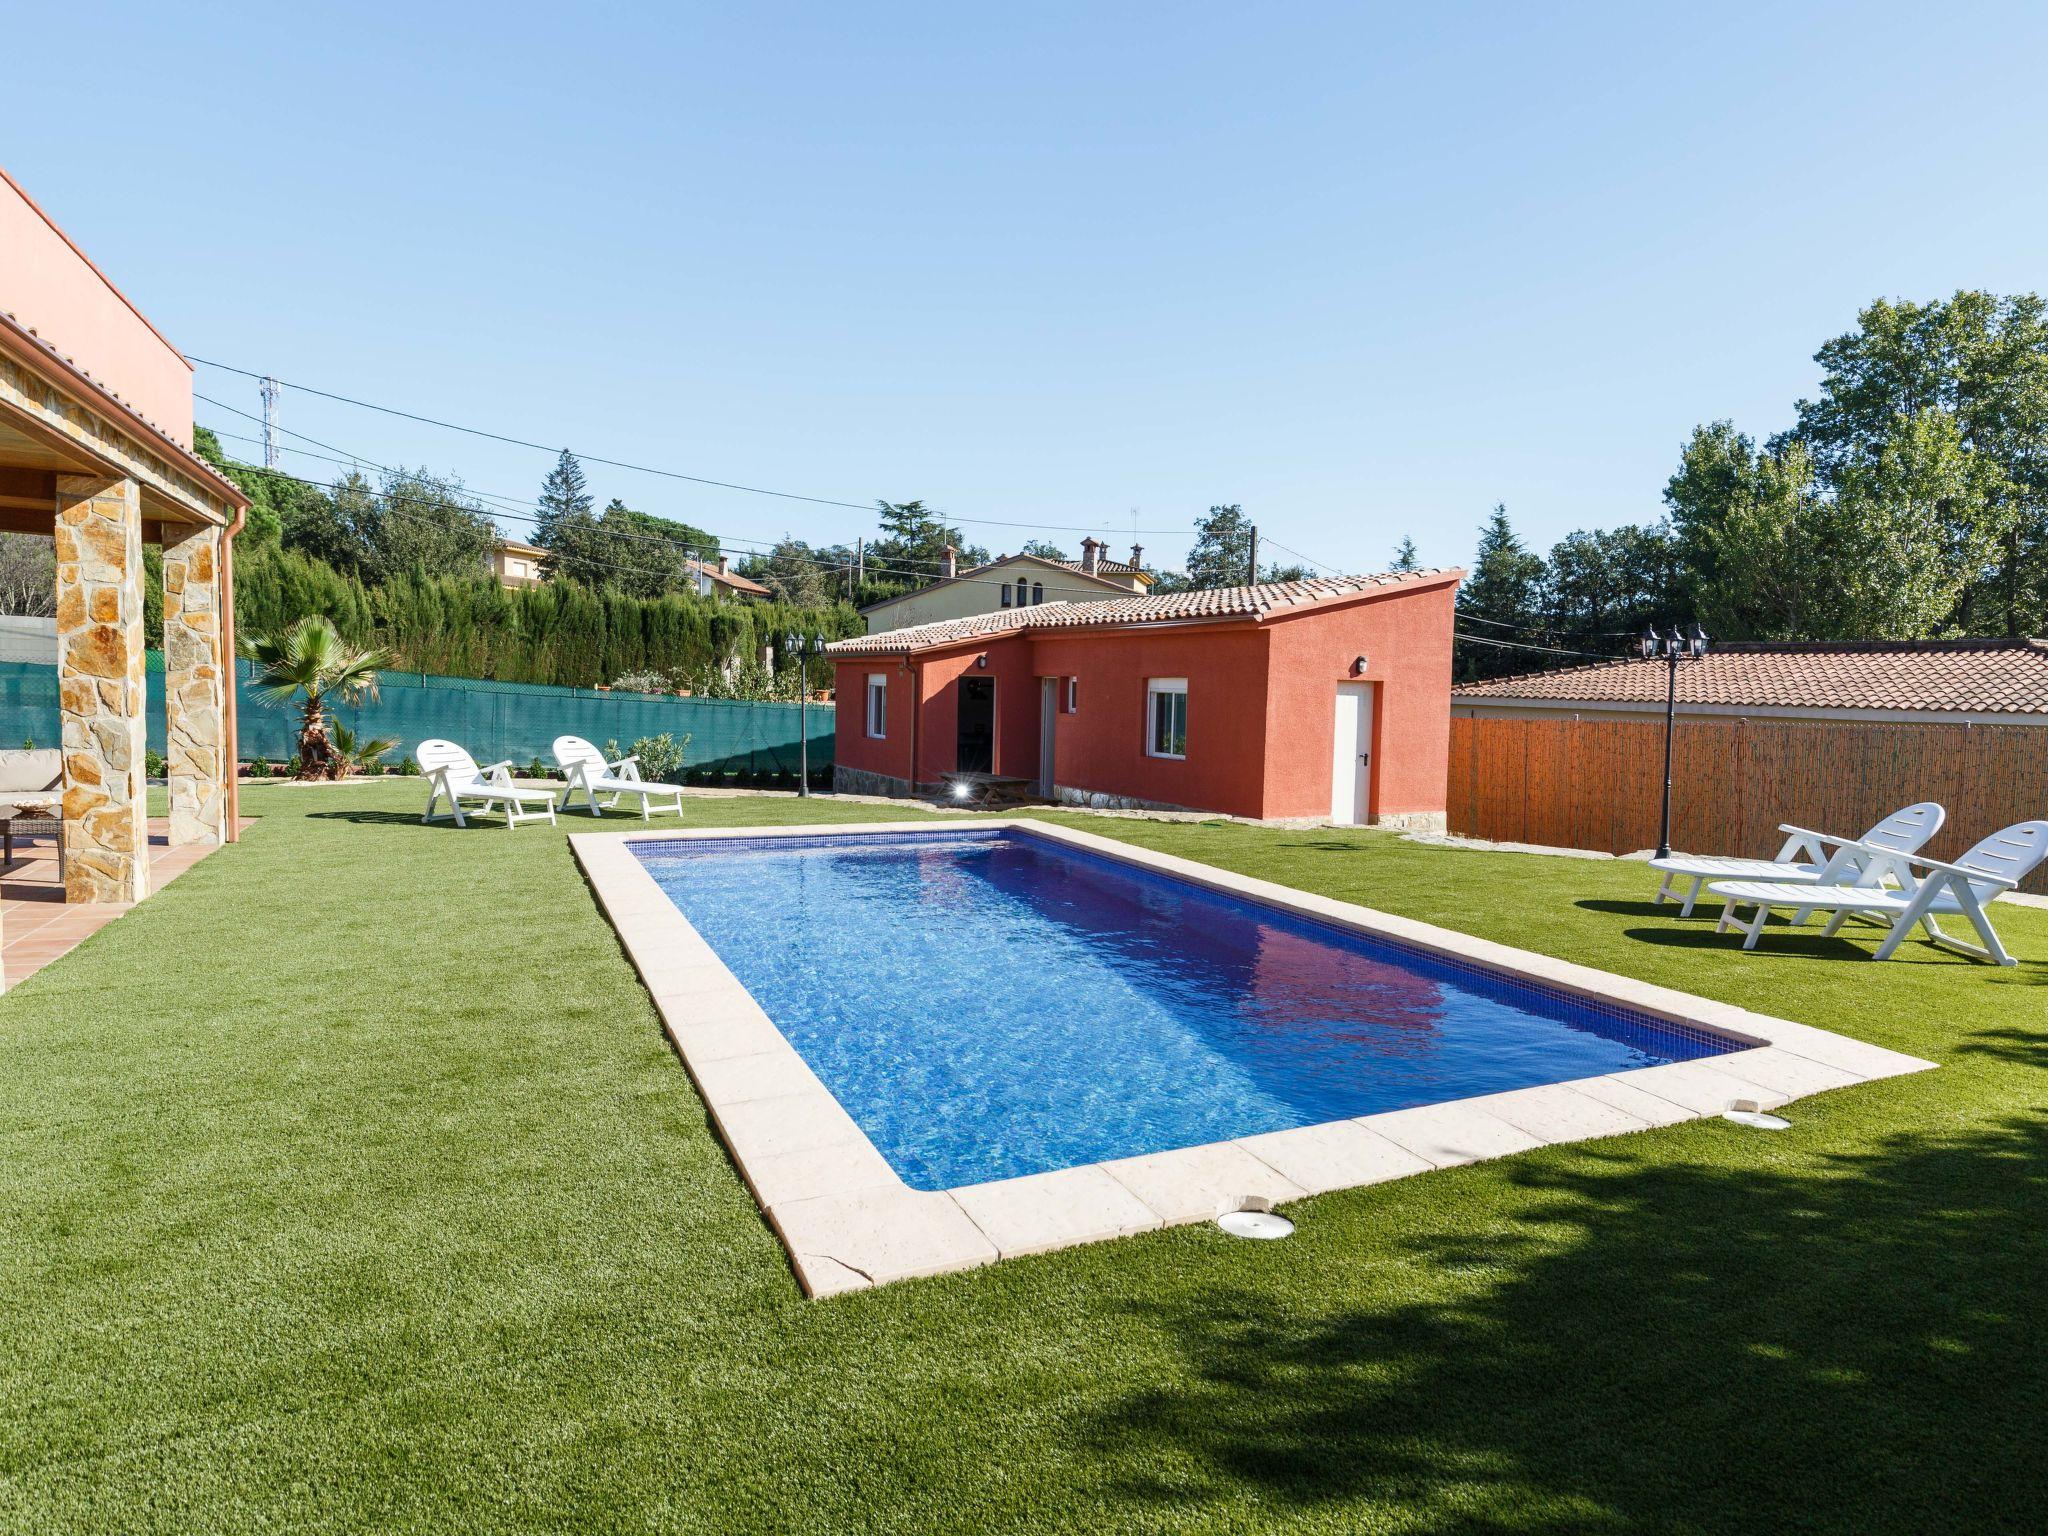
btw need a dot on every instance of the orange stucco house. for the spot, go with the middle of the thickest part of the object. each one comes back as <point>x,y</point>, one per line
<point>1312,700</point>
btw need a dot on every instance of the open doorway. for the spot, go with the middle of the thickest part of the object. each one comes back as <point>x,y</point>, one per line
<point>976,743</point>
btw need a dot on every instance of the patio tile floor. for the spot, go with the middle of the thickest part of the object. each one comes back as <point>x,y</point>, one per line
<point>38,926</point>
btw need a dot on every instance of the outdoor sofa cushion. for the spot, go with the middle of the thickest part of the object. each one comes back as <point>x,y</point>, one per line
<point>33,773</point>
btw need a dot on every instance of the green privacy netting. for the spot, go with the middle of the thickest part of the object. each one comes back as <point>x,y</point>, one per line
<point>493,720</point>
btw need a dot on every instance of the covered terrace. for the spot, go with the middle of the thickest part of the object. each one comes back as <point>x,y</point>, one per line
<point>96,454</point>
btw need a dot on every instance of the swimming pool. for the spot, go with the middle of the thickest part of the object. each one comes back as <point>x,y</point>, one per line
<point>992,1004</point>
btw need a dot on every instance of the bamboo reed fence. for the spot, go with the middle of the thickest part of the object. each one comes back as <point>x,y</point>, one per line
<point>1595,783</point>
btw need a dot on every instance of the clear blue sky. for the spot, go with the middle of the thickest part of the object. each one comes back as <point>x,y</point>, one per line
<point>1366,270</point>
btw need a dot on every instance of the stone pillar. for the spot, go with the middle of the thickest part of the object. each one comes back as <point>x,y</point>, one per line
<point>194,677</point>
<point>100,690</point>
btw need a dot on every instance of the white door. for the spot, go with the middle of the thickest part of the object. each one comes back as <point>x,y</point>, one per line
<point>1351,755</point>
<point>1048,719</point>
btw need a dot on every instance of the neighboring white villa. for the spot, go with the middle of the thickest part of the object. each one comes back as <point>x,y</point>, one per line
<point>1012,581</point>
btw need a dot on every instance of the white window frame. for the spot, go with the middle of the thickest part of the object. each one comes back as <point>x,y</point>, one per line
<point>1165,687</point>
<point>878,706</point>
<point>1073,695</point>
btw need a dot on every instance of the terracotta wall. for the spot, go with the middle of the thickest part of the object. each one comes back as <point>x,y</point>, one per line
<point>1101,747</point>
<point>50,286</point>
<point>1010,666</point>
<point>1405,638</point>
<point>852,746</point>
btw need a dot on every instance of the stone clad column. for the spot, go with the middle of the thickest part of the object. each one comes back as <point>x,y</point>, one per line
<point>100,689</point>
<point>194,677</point>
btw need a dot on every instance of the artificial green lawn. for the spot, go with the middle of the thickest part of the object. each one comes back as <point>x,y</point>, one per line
<point>351,1184</point>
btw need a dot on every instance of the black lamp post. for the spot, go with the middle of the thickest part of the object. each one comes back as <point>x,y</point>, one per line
<point>1674,648</point>
<point>798,643</point>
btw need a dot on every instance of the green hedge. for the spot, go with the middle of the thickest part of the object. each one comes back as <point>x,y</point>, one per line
<point>561,633</point>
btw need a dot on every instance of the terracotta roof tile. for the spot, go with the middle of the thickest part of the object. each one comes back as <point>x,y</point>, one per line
<point>1953,676</point>
<point>1161,608</point>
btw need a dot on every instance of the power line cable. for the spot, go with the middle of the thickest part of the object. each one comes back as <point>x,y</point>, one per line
<point>1314,563</point>
<point>650,469</point>
<point>1516,645</point>
<point>750,548</point>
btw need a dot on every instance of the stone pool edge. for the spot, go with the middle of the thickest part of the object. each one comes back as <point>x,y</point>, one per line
<point>849,1222</point>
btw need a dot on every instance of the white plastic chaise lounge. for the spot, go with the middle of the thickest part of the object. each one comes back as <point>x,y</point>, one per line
<point>588,771</point>
<point>1928,889</point>
<point>1804,859</point>
<point>452,773</point>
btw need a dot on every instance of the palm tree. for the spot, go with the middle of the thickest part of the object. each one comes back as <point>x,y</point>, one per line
<point>310,658</point>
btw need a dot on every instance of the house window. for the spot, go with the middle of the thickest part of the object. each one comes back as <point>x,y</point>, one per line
<point>1166,717</point>
<point>1037,591</point>
<point>878,705</point>
<point>1006,594</point>
<point>1073,695</point>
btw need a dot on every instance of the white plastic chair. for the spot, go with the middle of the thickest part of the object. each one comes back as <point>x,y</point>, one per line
<point>1962,889</point>
<point>587,770</point>
<point>453,773</point>
<point>1804,858</point>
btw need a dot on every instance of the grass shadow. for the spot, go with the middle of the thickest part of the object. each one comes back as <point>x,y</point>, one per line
<point>1680,1347</point>
<point>1623,908</point>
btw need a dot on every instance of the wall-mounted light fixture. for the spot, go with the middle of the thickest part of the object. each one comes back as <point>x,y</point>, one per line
<point>981,662</point>
<point>1358,666</point>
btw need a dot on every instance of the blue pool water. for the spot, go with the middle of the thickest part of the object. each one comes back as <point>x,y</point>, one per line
<point>987,1004</point>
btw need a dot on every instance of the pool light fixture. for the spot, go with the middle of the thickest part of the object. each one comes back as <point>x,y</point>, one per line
<point>1256,1219</point>
<point>1262,1226</point>
<point>1750,1113</point>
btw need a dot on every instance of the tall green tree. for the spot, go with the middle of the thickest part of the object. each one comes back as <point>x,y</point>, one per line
<point>913,544</point>
<point>1044,549</point>
<point>1980,360</point>
<point>564,497</point>
<point>1601,586</point>
<point>1404,556</point>
<point>793,572</point>
<point>426,523</point>
<point>1753,529</point>
<point>1222,552</point>
<point>1504,593</point>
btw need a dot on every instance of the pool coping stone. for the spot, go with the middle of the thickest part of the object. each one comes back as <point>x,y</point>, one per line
<point>849,1221</point>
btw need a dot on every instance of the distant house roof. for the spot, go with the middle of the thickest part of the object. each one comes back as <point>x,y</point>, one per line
<point>2008,677</point>
<point>1217,603</point>
<point>518,547</point>
<point>1102,567</point>
<point>977,572</point>
<point>732,579</point>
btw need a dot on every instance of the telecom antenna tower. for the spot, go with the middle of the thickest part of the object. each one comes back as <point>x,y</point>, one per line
<point>269,423</point>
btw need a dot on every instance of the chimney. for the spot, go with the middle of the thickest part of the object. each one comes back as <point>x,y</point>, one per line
<point>1137,557</point>
<point>949,562</point>
<point>1091,556</point>
<point>721,565</point>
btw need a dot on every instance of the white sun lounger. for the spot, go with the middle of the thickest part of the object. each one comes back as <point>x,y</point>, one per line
<point>587,770</point>
<point>453,773</point>
<point>1804,858</point>
<point>1928,889</point>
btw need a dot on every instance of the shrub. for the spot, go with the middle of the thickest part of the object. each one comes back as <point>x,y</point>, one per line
<point>259,768</point>
<point>155,765</point>
<point>410,767</point>
<point>662,757</point>
<point>538,769</point>
<point>643,682</point>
